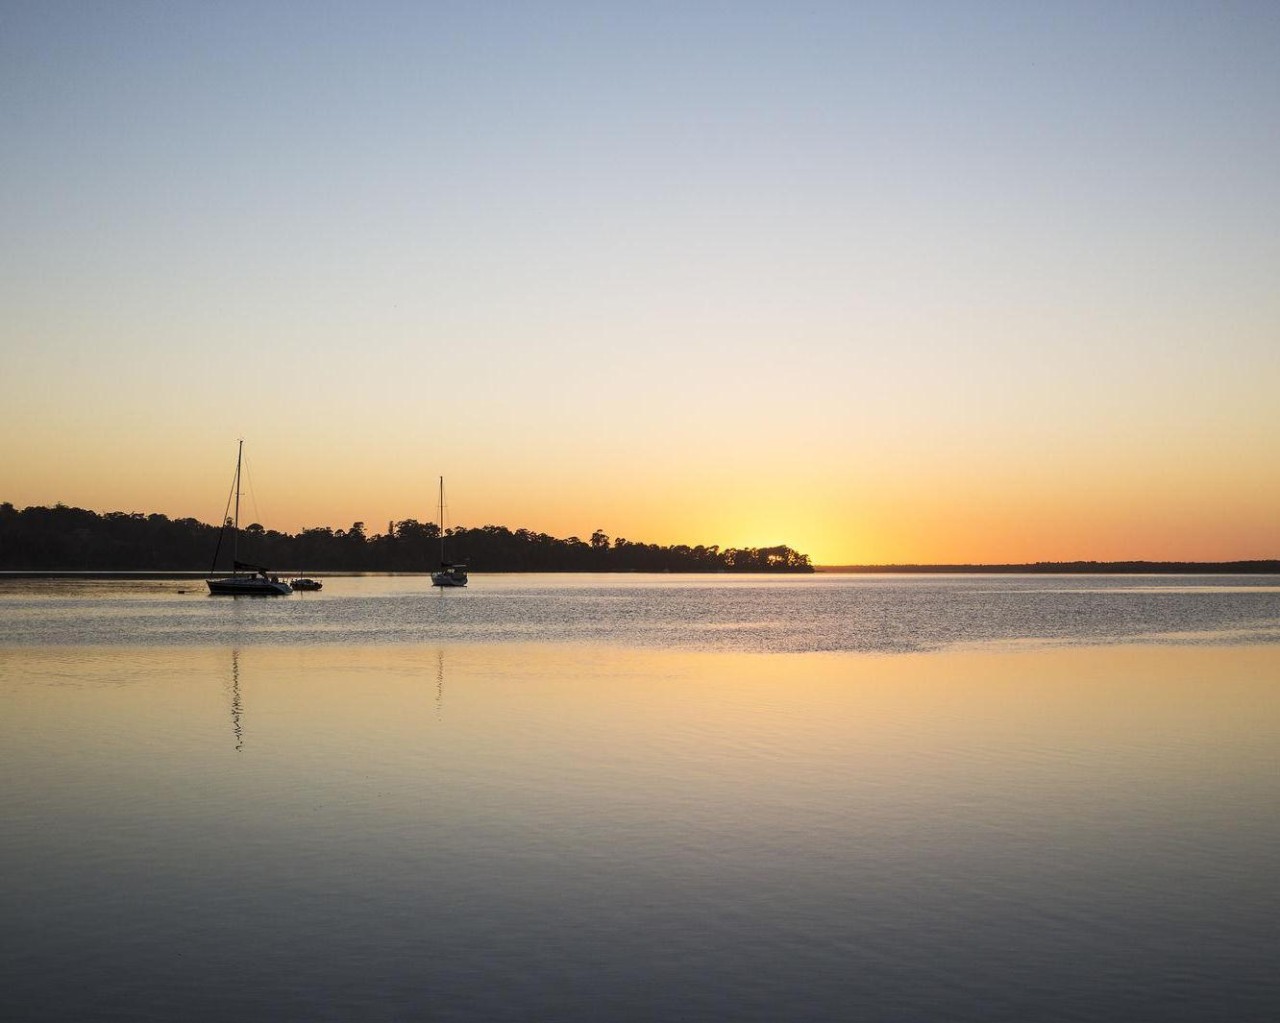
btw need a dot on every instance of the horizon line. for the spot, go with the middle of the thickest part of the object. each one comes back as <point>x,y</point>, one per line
<point>1077,563</point>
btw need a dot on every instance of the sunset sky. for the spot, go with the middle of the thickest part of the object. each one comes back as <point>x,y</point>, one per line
<point>899,282</point>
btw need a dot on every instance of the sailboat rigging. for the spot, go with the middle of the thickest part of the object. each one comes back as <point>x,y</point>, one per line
<point>246,580</point>
<point>450,573</point>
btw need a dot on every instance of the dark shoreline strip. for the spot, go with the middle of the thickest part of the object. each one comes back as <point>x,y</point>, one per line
<point>1270,567</point>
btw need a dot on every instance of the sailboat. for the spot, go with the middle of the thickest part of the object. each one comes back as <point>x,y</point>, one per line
<point>450,574</point>
<point>246,580</point>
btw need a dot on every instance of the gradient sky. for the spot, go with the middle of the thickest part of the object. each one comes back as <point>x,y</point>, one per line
<point>886,282</point>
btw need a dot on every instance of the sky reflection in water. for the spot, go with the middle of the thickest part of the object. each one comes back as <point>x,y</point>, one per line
<point>581,831</point>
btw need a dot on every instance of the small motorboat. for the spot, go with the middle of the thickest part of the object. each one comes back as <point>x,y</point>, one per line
<point>305,584</point>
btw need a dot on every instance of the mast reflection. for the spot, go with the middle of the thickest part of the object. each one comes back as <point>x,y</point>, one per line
<point>440,681</point>
<point>237,708</point>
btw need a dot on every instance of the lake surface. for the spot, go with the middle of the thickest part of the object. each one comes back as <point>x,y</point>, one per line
<point>642,798</point>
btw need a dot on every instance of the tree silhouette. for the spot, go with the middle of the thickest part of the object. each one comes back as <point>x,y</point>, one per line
<point>74,539</point>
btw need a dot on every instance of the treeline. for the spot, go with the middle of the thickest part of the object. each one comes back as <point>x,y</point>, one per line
<point>74,539</point>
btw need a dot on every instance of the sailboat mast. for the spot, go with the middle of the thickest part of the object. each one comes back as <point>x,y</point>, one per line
<point>441,520</point>
<point>235,532</point>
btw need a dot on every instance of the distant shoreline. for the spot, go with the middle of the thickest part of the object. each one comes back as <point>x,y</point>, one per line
<point>1265,567</point>
<point>1268,567</point>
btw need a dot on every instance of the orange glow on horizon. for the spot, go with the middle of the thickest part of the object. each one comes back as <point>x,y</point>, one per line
<point>1019,502</point>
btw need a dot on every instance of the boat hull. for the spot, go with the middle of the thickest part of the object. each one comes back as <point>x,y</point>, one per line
<point>448,579</point>
<point>240,586</point>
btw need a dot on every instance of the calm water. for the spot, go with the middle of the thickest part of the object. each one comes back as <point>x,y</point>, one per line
<point>654,798</point>
<point>880,614</point>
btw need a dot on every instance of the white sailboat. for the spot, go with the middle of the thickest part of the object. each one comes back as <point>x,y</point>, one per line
<point>450,573</point>
<point>246,580</point>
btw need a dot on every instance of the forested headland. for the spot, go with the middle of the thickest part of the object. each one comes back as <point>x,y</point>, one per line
<point>39,539</point>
